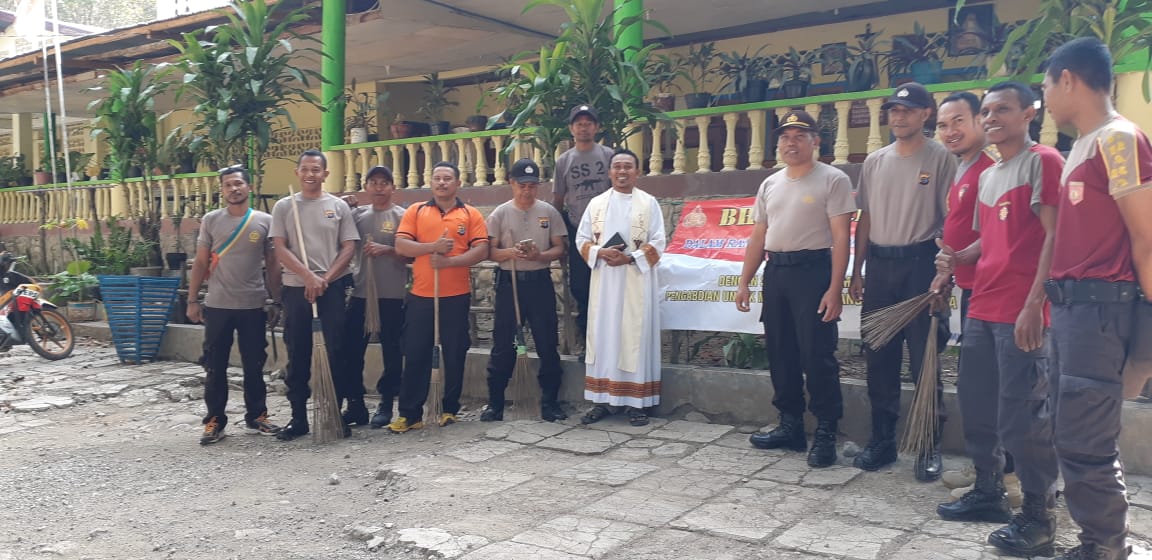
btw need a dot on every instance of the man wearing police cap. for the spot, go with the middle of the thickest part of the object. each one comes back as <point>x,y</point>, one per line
<point>581,175</point>
<point>903,199</point>
<point>526,235</point>
<point>803,215</point>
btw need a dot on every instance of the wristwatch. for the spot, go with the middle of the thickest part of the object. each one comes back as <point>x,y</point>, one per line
<point>631,259</point>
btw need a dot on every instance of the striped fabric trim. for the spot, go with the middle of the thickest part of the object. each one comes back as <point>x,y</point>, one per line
<point>622,388</point>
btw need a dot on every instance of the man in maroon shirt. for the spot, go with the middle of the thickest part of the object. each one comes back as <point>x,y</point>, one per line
<point>1004,385</point>
<point>1102,259</point>
<point>958,126</point>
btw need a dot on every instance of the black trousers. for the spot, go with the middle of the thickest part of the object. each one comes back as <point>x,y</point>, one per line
<point>538,310</point>
<point>419,328</point>
<point>579,278</point>
<point>888,282</point>
<point>391,331</point>
<point>1089,345</point>
<point>299,341</point>
<point>219,326</point>
<point>799,342</point>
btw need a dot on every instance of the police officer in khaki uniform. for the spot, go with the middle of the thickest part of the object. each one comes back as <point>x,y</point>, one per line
<point>803,216</point>
<point>526,236</point>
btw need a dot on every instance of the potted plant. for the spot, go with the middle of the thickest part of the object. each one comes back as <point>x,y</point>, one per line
<point>862,72</point>
<point>364,106</point>
<point>796,71</point>
<point>73,286</point>
<point>400,127</point>
<point>662,72</point>
<point>478,121</point>
<point>743,75</point>
<point>436,102</point>
<point>699,73</point>
<point>12,171</point>
<point>919,53</point>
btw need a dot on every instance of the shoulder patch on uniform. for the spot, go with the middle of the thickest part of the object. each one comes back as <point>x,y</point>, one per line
<point>254,236</point>
<point>1118,151</point>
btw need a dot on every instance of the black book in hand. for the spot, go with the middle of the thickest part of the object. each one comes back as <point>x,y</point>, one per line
<point>615,241</point>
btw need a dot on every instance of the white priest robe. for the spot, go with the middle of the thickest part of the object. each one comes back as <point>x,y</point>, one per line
<point>622,350</point>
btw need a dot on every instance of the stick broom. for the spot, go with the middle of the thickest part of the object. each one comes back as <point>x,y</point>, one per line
<point>525,398</point>
<point>434,406</point>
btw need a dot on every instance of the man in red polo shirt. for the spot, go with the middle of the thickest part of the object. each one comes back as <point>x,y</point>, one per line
<point>1004,385</point>
<point>1102,259</point>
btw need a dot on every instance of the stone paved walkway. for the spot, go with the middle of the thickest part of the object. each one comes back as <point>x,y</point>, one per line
<point>476,491</point>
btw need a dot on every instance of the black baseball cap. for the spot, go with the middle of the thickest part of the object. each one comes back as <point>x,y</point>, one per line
<point>797,119</point>
<point>525,171</point>
<point>379,170</point>
<point>583,110</point>
<point>911,95</point>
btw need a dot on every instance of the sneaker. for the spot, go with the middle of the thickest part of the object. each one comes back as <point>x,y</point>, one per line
<point>447,418</point>
<point>383,415</point>
<point>213,432</point>
<point>261,426</point>
<point>401,425</point>
<point>356,413</point>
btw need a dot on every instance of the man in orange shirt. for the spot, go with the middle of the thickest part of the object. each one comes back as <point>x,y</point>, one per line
<point>448,236</point>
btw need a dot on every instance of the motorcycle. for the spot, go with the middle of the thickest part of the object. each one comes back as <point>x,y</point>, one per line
<point>27,318</point>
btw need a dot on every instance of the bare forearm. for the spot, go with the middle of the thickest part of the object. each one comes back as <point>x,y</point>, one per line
<point>343,259</point>
<point>1036,294</point>
<point>1142,259</point>
<point>289,261</point>
<point>554,253</point>
<point>273,276</point>
<point>970,254</point>
<point>753,258</point>
<point>471,256</point>
<point>196,278</point>
<point>839,265</point>
<point>409,248</point>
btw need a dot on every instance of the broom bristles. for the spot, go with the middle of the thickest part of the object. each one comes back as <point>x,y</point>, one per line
<point>879,327</point>
<point>371,301</point>
<point>920,430</point>
<point>525,397</point>
<point>434,406</point>
<point>326,423</point>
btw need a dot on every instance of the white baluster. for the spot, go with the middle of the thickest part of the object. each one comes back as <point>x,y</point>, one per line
<point>703,154</point>
<point>841,149</point>
<point>730,154</point>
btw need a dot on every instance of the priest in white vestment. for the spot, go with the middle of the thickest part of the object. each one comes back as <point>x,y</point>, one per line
<point>622,351</point>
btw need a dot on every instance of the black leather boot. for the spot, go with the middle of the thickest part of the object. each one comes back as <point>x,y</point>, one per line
<point>1090,551</point>
<point>298,426</point>
<point>823,452</point>
<point>356,414</point>
<point>930,465</point>
<point>881,451</point>
<point>986,502</point>
<point>789,434</point>
<point>1032,532</point>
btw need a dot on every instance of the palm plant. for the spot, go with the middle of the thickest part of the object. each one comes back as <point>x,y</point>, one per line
<point>244,79</point>
<point>583,65</point>
<point>126,117</point>
<point>1122,25</point>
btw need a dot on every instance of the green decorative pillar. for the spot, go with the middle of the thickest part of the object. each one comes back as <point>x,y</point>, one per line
<point>332,34</point>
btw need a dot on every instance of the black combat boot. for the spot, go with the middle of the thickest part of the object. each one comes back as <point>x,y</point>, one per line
<point>789,434</point>
<point>356,414</point>
<point>930,464</point>
<point>298,425</point>
<point>986,502</point>
<point>881,451</point>
<point>1090,551</point>
<point>1032,532</point>
<point>823,452</point>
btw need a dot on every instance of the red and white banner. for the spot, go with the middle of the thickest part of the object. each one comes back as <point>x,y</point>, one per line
<point>700,271</point>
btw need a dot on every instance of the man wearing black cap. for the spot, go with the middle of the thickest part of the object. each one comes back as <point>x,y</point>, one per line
<point>903,199</point>
<point>525,237</point>
<point>803,216</point>
<point>378,263</point>
<point>581,175</point>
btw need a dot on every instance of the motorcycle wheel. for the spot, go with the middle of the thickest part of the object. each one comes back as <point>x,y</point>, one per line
<point>49,334</point>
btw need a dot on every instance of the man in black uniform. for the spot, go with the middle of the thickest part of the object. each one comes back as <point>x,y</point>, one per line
<point>903,198</point>
<point>510,225</point>
<point>803,216</point>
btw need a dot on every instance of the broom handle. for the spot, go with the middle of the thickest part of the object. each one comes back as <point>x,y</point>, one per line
<point>300,237</point>
<point>516,295</point>
<point>436,307</point>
